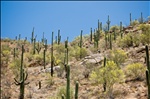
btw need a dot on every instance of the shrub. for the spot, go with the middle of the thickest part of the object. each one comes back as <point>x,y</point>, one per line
<point>77,50</point>
<point>135,70</point>
<point>118,56</point>
<point>38,57</point>
<point>110,74</point>
<point>62,90</point>
<point>126,41</point>
<point>15,66</point>
<point>135,22</point>
<point>49,80</point>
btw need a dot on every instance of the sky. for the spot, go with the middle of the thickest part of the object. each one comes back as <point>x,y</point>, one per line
<point>19,17</point>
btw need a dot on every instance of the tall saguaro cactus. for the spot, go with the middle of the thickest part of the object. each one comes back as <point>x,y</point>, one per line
<point>59,37</point>
<point>91,35</point>
<point>141,21</point>
<point>130,19</point>
<point>23,77</point>
<point>43,38</point>
<point>52,57</point>
<point>110,42</point>
<point>108,23</point>
<point>44,54</point>
<point>81,44</point>
<point>148,71</point>
<point>104,85</point>
<point>32,36</point>
<point>68,83</point>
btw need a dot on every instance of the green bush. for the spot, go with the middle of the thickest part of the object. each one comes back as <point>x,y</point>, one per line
<point>49,80</point>
<point>77,51</point>
<point>135,22</point>
<point>126,41</point>
<point>62,91</point>
<point>110,74</point>
<point>118,56</point>
<point>15,66</point>
<point>38,57</point>
<point>135,70</point>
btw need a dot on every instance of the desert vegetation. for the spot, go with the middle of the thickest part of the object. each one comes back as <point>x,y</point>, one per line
<point>111,62</point>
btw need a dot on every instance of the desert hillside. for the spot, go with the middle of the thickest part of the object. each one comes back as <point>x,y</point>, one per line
<point>105,64</point>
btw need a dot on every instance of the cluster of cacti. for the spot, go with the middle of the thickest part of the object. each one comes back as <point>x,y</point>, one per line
<point>148,71</point>
<point>52,57</point>
<point>23,77</point>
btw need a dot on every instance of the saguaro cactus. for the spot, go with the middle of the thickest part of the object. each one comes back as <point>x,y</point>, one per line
<point>59,37</point>
<point>68,83</point>
<point>45,45</point>
<point>141,21</point>
<point>108,23</point>
<point>14,53</point>
<point>91,35</point>
<point>19,37</point>
<point>104,85</point>
<point>38,48</point>
<point>32,36</point>
<point>110,42</point>
<point>130,19</point>
<point>52,57</point>
<point>148,71</point>
<point>43,38</point>
<point>76,90</point>
<point>81,44</point>
<point>44,54</point>
<point>23,77</point>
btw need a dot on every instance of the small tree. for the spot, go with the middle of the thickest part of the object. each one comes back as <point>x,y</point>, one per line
<point>110,74</point>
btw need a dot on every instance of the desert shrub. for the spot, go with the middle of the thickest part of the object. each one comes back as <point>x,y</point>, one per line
<point>145,36</point>
<point>135,70</point>
<point>62,90</point>
<point>136,39</point>
<point>110,74</point>
<point>59,48</point>
<point>144,27</point>
<point>38,57</point>
<point>28,56</point>
<point>15,66</point>
<point>126,41</point>
<point>135,22</point>
<point>115,27</point>
<point>118,56</point>
<point>49,80</point>
<point>76,52</point>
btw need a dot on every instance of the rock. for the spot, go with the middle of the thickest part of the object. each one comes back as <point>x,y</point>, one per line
<point>94,58</point>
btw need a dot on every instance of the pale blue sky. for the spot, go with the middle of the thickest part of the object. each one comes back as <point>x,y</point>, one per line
<point>19,17</point>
